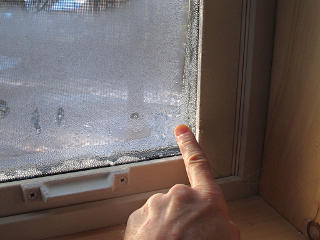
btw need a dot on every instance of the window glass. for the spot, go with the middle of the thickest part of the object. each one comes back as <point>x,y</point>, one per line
<point>91,83</point>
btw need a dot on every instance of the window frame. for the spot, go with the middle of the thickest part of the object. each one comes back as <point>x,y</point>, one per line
<point>248,67</point>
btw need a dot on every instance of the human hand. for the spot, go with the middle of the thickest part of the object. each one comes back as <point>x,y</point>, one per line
<point>197,212</point>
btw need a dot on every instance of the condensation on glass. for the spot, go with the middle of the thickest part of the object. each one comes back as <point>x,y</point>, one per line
<point>92,83</point>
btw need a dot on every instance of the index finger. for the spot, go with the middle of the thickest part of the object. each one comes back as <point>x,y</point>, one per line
<point>196,162</point>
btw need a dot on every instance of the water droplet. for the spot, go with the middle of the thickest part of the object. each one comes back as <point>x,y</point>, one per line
<point>134,115</point>
<point>60,116</point>
<point>4,109</point>
<point>35,120</point>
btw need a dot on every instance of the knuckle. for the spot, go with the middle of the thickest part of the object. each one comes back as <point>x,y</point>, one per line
<point>181,192</point>
<point>154,199</point>
<point>133,215</point>
<point>200,165</point>
<point>179,188</point>
<point>196,157</point>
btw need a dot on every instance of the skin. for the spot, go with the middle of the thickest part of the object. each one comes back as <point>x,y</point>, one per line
<point>195,212</point>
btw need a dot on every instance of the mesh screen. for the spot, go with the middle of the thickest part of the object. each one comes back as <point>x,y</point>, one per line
<point>92,83</point>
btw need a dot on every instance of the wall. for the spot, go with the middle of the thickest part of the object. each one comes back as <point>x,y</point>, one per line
<point>290,179</point>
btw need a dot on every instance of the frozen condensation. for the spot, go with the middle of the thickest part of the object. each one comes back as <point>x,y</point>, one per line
<point>86,84</point>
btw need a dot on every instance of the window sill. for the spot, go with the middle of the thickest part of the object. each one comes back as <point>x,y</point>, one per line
<point>255,218</point>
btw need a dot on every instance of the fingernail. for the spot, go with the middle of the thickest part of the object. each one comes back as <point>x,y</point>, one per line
<point>181,129</point>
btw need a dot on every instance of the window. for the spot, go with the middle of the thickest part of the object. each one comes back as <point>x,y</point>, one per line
<point>87,84</point>
<point>229,64</point>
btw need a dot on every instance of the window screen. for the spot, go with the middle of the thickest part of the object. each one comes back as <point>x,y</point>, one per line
<point>92,83</point>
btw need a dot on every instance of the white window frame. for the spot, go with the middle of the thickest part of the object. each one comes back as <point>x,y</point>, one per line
<point>73,202</point>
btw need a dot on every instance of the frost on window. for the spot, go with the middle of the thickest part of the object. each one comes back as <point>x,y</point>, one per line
<point>92,83</point>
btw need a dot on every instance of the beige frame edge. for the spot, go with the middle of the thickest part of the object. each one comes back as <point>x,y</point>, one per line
<point>41,212</point>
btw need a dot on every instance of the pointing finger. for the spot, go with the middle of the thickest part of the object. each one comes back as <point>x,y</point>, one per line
<point>196,163</point>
